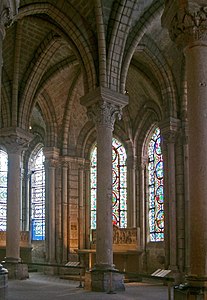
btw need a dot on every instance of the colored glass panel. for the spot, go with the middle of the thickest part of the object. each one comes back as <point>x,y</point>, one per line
<point>3,189</point>
<point>38,197</point>
<point>119,185</point>
<point>156,192</point>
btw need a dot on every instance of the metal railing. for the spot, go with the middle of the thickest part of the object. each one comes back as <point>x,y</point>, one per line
<point>69,265</point>
<point>169,281</point>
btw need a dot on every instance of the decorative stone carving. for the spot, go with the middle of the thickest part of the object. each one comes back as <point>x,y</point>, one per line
<point>15,140</point>
<point>187,24</point>
<point>8,9</point>
<point>123,238</point>
<point>104,105</point>
<point>104,114</point>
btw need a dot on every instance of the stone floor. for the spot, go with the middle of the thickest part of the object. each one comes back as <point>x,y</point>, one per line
<point>42,287</point>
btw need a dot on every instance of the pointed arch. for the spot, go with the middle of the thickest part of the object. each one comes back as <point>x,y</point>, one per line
<point>78,35</point>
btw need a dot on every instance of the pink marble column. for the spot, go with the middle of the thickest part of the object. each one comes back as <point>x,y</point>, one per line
<point>196,61</point>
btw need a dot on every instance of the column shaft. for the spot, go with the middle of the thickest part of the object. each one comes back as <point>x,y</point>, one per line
<point>13,207</point>
<point>87,207</point>
<point>131,205</point>
<point>81,223</point>
<point>196,55</point>
<point>51,159</point>
<point>172,206</point>
<point>104,228</point>
<point>65,212</point>
<point>50,206</point>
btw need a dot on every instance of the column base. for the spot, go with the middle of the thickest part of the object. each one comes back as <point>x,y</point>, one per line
<point>16,270</point>
<point>103,280</point>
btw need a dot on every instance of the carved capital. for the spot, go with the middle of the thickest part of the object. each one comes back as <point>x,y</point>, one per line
<point>187,23</point>
<point>104,114</point>
<point>15,140</point>
<point>169,130</point>
<point>64,164</point>
<point>104,105</point>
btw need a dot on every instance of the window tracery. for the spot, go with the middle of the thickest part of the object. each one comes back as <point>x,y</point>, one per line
<point>38,197</point>
<point>119,185</point>
<point>155,188</point>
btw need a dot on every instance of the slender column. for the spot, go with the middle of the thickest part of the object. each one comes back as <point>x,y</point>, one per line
<point>81,223</point>
<point>188,27</point>
<point>103,106</point>
<point>131,207</point>
<point>168,132</point>
<point>186,191</point>
<point>87,205</point>
<point>51,159</point>
<point>65,210</point>
<point>142,222</point>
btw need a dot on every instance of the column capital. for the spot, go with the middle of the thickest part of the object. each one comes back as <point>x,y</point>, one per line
<point>51,153</point>
<point>15,139</point>
<point>8,9</point>
<point>64,162</point>
<point>104,105</point>
<point>186,21</point>
<point>169,129</point>
<point>51,156</point>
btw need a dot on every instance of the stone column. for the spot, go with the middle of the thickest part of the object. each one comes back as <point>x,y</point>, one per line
<point>87,204</point>
<point>187,23</point>
<point>131,207</point>
<point>65,221</point>
<point>103,106</point>
<point>168,130</point>
<point>142,195</point>
<point>81,215</point>
<point>51,159</point>
<point>15,141</point>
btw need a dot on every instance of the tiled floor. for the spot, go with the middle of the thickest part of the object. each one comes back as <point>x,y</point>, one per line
<point>42,287</point>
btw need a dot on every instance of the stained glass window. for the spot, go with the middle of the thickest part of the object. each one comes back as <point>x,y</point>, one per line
<point>38,197</point>
<point>156,193</point>
<point>119,185</point>
<point>3,189</point>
